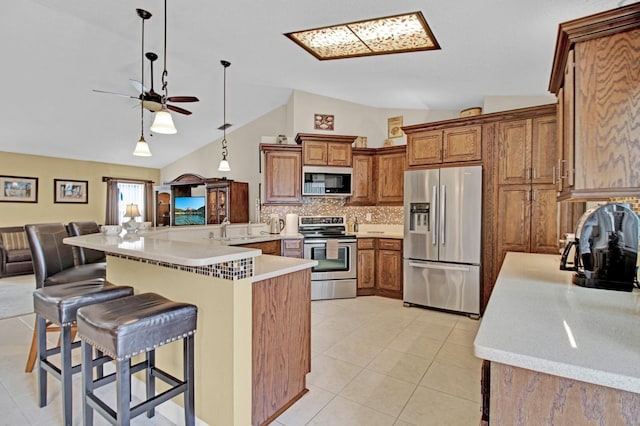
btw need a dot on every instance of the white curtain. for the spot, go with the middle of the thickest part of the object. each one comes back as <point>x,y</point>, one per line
<point>131,193</point>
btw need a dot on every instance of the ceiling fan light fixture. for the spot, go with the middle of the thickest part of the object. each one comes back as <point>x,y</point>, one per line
<point>163,123</point>
<point>142,148</point>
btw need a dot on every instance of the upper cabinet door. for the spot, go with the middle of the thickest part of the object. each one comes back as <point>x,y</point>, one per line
<point>315,153</point>
<point>338,154</point>
<point>462,144</point>
<point>514,148</point>
<point>282,175</point>
<point>544,149</point>
<point>424,148</point>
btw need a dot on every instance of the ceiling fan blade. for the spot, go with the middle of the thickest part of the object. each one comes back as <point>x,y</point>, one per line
<point>117,94</point>
<point>178,109</point>
<point>138,86</point>
<point>183,99</point>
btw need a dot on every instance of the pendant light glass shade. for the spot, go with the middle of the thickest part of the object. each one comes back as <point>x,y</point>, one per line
<point>163,123</point>
<point>142,148</point>
<point>224,166</point>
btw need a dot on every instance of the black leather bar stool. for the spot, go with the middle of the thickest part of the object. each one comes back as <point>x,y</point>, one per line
<point>86,255</point>
<point>53,264</point>
<point>58,304</point>
<point>130,326</point>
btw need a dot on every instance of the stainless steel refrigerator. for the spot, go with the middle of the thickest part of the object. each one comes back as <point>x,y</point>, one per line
<point>442,229</point>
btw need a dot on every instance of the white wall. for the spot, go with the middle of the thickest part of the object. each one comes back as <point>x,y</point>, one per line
<point>355,119</point>
<point>244,154</point>
<point>505,103</point>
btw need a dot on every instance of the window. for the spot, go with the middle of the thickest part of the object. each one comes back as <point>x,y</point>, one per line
<point>121,192</point>
<point>130,193</point>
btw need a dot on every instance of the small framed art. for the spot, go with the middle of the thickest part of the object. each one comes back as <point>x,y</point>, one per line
<point>70,191</point>
<point>394,125</point>
<point>19,189</point>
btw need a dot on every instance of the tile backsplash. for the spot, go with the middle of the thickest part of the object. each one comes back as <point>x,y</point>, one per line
<point>633,201</point>
<point>327,206</point>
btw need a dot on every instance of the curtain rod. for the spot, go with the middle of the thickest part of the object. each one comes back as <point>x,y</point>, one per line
<point>109,178</point>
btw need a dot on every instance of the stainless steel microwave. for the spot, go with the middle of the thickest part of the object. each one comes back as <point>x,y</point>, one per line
<point>322,181</point>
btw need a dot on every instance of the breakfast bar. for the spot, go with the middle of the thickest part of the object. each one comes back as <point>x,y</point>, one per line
<point>559,353</point>
<point>254,318</point>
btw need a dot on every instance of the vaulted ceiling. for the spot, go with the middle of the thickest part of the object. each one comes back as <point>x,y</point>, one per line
<point>55,52</point>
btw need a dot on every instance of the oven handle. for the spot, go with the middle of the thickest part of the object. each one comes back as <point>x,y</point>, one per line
<point>318,241</point>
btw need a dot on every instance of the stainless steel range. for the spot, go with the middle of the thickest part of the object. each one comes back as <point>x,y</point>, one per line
<point>326,240</point>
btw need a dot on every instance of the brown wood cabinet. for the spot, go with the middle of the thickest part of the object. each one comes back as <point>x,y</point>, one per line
<point>227,199</point>
<point>268,247</point>
<point>282,174</point>
<point>366,266</point>
<point>389,268</point>
<point>527,212</point>
<point>451,145</point>
<point>363,184</point>
<point>513,397</point>
<point>292,247</point>
<point>595,76</point>
<point>281,345</point>
<point>390,175</point>
<point>527,149</point>
<point>326,150</point>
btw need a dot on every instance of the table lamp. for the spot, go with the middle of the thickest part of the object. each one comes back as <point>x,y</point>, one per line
<point>131,212</point>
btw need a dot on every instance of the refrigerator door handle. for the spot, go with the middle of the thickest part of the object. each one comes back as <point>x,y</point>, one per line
<point>432,214</point>
<point>443,211</point>
<point>441,267</point>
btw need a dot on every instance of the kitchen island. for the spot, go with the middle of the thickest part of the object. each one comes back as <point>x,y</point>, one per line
<point>559,353</point>
<point>253,346</point>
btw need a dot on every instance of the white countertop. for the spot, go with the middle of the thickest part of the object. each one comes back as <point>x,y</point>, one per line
<point>198,251</point>
<point>538,320</point>
<point>268,266</point>
<point>367,230</point>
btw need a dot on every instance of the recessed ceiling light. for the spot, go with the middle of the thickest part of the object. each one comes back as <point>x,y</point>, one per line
<point>379,36</point>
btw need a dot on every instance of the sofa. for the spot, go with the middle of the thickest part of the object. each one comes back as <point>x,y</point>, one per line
<point>15,255</point>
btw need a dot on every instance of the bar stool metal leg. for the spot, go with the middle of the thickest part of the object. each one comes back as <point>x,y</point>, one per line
<point>151,380</point>
<point>189,377</point>
<point>87,384</point>
<point>123,392</point>
<point>65,374</point>
<point>41,327</point>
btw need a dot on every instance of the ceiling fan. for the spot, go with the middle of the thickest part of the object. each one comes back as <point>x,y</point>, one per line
<point>150,99</point>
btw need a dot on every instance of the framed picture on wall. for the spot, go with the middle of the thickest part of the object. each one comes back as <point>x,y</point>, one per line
<point>19,189</point>
<point>394,126</point>
<point>323,121</point>
<point>70,191</point>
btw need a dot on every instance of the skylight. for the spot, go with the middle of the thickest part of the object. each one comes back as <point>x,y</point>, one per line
<point>379,36</point>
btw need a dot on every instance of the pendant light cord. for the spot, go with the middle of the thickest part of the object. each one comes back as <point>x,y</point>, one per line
<point>142,84</point>
<point>164,72</point>
<point>225,151</point>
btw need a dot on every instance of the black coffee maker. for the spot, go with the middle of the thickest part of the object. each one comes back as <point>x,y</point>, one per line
<point>606,248</point>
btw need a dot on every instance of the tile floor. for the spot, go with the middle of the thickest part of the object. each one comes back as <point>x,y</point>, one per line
<point>374,362</point>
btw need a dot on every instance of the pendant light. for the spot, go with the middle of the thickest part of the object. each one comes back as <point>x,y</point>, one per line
<point>224,164</point>
<point>163,122</point>
<point>142,147</point>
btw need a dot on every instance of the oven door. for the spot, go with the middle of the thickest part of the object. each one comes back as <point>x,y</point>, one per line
<point>343,267</point>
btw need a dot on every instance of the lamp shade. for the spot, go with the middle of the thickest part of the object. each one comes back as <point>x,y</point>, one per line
<point>132,211</point>
<point>163,123</point>
<point>142,148</point>
<point>224,166</point>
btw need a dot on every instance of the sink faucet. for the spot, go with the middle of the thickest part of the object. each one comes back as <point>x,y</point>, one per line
<point>223,228</point>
